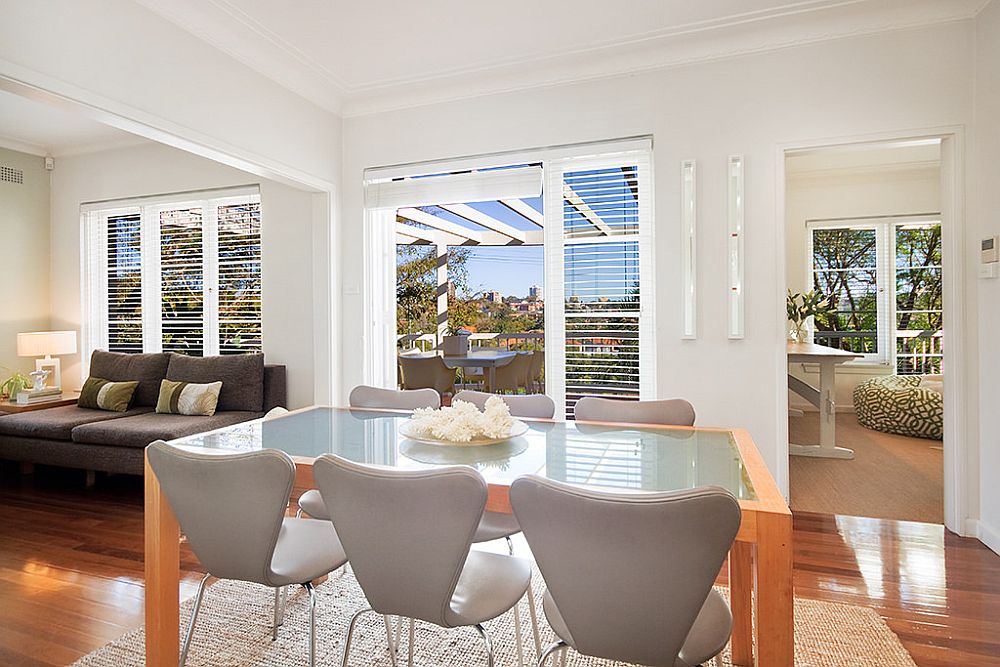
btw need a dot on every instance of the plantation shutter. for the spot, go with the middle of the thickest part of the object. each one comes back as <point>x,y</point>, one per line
<point>182,280</point>
<point>123,306</point>
<point>598,259</point>
<point>239,263</point>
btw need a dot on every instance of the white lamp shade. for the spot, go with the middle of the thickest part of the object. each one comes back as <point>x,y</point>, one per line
<point>46,343</point>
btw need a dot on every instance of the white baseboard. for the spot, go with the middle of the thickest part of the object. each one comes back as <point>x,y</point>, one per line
<point>988,535</point>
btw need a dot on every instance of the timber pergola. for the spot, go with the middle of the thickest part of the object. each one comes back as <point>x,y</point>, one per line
<point>420,226</point>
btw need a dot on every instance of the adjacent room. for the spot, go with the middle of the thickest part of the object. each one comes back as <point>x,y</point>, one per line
<point>440,334</point>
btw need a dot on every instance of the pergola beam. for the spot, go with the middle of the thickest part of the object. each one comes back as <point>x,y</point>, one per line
<point>439,223</point>
<point>487,221</point>
<point>429,235</point>
<point>525,210</point>
<point>577,202</point>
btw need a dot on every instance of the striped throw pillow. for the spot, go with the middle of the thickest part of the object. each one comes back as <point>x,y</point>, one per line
<point>188,398</point>
<point>101,394</point>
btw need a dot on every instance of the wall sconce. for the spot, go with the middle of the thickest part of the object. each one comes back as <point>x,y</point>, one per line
<point>736,285</point>
<point>689,246</point>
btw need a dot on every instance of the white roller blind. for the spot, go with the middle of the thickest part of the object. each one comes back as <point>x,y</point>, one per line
<point>598,263</point>
<point>182,276</point>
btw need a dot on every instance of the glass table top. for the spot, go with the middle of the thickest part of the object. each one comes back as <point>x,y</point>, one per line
<point>619,458</point>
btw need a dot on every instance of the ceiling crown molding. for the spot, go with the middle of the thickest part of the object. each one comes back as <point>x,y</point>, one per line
<point>228,28</point>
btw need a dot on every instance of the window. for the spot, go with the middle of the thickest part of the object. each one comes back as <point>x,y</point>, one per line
<point>175,274</point>
<point>884,278</point>
<point>601,247</point>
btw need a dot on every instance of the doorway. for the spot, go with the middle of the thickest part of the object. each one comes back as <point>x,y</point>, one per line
<point>865,244</point>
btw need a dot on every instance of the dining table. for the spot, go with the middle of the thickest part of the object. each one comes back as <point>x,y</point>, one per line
<point>633,458</point>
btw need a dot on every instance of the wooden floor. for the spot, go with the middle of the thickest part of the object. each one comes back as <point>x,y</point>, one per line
<point>890,477</point>
<point>71,573</point>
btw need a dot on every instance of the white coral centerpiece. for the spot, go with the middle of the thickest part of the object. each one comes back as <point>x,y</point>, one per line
<point>463,422</point>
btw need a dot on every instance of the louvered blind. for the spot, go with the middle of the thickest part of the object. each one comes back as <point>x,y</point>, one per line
<point>182,281</point>
<point>179,277</point>
<point>123,301</point>
<point>599,256</point>
<point>239,277</point>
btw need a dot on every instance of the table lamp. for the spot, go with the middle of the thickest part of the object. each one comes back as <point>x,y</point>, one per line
<point>46,344</point>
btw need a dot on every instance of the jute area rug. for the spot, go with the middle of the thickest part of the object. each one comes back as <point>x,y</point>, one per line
<point>234,629</point>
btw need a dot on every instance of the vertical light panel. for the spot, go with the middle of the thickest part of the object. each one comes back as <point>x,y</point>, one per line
<point>689,244</point>
<point>736,230</point>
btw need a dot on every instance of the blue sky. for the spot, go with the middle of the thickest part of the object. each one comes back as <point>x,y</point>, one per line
<point>510,270</point>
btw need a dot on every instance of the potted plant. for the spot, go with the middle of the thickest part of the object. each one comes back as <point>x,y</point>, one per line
<point>803,307</point>
<point>13,385</point>
<point>455,342</point>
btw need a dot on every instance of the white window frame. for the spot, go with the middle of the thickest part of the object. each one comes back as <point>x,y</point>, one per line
<point>885,262</point>
<point>94,264</point>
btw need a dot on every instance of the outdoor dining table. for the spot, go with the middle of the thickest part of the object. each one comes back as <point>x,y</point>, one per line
<point>621,457</point>
<point>488,359</point>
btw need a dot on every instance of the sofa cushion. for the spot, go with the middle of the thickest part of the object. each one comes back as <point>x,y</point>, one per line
<point>101,394</point>
<point>147,369</point>
<point>58,423</point>
<point>242,377</point>
<point>140,430</point>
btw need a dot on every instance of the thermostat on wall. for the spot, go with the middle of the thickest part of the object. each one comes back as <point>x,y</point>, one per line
<point>989,257</point>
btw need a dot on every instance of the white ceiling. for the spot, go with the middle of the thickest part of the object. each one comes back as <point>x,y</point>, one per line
<point>358,57</point>
<point>39,129</point>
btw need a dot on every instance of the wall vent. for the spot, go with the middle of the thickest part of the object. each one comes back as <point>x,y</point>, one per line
<point>11,174</point>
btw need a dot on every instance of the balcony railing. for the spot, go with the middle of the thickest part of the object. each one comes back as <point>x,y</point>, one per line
<point>917,352</point>
<point>509,341</point>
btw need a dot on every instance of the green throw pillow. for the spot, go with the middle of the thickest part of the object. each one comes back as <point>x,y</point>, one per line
<point>101,394</point>
<point>188,398</point>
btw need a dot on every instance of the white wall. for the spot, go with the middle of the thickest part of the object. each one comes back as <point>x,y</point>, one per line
<point>132,62</point>
<point>840,193</point>
<point>287,229</point>
<point>751,105</point>
<point>24,252</point>
<point>987,212</point>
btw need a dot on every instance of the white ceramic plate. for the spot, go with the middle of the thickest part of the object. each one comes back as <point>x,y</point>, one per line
<point>517,429</point>
<point>480,457</point>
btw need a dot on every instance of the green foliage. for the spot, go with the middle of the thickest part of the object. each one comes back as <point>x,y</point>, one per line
<point>801,306</point>
<point>16,383</point>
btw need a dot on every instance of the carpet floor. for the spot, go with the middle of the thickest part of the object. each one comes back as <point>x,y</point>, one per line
<point>890,477</point>
<point>234,630</point>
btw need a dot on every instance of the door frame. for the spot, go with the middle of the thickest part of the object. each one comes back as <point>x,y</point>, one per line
<point>959,486</point>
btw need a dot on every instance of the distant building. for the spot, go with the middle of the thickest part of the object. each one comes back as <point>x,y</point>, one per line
<point>493,297</point>
<point>451,290</point>
<point>535,292</point>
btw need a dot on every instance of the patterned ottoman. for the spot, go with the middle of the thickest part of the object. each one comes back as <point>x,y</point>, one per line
<point>899,404</point>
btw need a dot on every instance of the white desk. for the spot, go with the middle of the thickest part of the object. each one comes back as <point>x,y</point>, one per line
<point>823,398</point>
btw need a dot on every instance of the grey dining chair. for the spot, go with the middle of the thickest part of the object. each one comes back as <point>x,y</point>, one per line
<point>530,406</point>
<point>231,507</point>
<point>409,565</point>
<point>364,396</point>
<point>630,576</point>
<point>670,412</point>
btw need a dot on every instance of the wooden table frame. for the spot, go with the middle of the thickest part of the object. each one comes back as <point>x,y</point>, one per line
<point>760,565</point>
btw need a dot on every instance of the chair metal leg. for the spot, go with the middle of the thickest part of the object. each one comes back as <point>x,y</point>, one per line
<point>312,623</point>
<point>350,634</point>
<point>532,610</point>
<point>488,642</point>
<point>409,661</point>
<point>510,545</point>
<point>194,619</point>
<point>280,604</point>
<point>389,639</point>
<point>551,649</point>
<point>520,637</point>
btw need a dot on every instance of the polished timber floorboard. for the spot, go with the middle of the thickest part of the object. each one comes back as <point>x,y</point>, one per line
<point>71,573</point>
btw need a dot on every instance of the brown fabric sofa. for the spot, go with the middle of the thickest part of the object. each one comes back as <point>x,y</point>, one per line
<point>76,437</point>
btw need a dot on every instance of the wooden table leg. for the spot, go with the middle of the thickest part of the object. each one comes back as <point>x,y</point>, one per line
<point>775,602</point>
<point>741,602</point>
<point>162,564</point>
